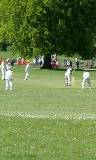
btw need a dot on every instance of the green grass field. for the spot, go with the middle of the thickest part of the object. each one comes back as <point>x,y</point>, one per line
<point>41,119</point>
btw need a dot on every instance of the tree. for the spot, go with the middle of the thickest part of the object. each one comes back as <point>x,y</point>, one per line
<point>45,27</point>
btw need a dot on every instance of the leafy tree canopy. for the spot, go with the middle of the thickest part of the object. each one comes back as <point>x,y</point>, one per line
<point>33,27</point>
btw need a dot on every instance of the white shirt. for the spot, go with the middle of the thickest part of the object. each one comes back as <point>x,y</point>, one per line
<point>27,67</point>
<point>8,65</point>
<point>68,72</point>
<point>34,60</point>
<point>8,75</point>
<point>2,66</point>
<point>86,75</point>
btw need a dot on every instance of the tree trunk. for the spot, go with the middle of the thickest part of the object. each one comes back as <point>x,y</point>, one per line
<point>47,62</point>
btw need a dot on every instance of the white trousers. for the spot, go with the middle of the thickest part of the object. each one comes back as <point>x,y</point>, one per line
<point>86,82</point>
<point>67,80</point>
<point>3,74</point>
<point>26,76</point>
<point>9,84</point>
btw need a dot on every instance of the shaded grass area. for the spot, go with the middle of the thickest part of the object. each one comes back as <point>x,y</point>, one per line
<point>45,139</point>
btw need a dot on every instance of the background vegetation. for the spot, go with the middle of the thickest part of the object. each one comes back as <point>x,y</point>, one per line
<point>33,27</point>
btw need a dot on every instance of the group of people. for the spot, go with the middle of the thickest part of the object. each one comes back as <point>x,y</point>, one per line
<point>7,74</point>
<point>85,81</point>
<point>54,61</point>
<point>68,76</point>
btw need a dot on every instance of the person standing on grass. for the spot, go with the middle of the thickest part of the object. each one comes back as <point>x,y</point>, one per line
<point>8,65</point>
<point>3,69</point>
<point>68,76</point>
<point>86,79</point>
<point>9,79</point>
<point>27,70</point>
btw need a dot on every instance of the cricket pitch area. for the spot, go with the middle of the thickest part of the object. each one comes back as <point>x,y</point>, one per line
<point>42,119</point>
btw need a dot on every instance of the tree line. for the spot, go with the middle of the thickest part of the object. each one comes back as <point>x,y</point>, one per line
<point>45,27</point>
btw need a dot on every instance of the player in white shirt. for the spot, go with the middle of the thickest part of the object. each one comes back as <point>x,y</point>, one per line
<point>86,79</point>
<point>27,70</point>
<point>9,79</point>
<point>3,70</point>
<point>68,76</point>
<point>8,65</point>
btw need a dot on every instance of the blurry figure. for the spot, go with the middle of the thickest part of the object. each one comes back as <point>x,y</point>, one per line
<point>37,61</point>
<point>7,60</point>
<point>76,59</point>
<point>27,71</point>
<point>68,76</point>
<point>82,64</point>
<point>3,69</point>
<point>19,60</point>
<point>77,64</point>
<point>41,61</point>
<point>42,58</point>
<point>87,64</point>
<point>22,61</point>
<point>86,79</point>
<point>9,79</point>
<point>91,64</point>
<point>8,65</point>
<point>12,61</point>
<point>54,61</point>
<point>70,63</point>
<point>65,62</point>
<point>34,62</point>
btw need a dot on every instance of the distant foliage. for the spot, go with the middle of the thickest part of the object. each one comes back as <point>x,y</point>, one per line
<point>34,27</point>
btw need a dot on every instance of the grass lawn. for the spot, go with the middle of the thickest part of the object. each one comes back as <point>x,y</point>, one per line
<point>41,119</point>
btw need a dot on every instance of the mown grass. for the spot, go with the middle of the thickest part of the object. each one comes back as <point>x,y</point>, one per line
<point>41,119</point>
<point>40,139</point>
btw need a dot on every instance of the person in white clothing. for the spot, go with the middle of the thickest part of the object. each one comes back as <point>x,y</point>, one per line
<point>68,76</point>
<point>27,70</point>
<point>9,79</point>
<point>8,65</point>
<point>3,70</point>
<point>86,79</point>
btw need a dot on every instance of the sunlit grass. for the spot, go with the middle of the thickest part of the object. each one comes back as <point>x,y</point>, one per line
<point>42,119</point>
